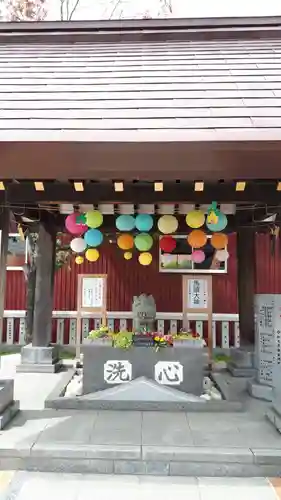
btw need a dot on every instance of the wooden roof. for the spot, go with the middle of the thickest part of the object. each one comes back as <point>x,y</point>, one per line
<point>141,91</point>
<point>175,82</point>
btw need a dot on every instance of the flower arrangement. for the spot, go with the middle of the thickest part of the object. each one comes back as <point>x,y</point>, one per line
<point>187,335</point>
<point>161,340</point>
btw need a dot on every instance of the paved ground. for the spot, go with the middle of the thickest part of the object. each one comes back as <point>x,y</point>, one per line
<point>31,389</point>
<point>29,486</point>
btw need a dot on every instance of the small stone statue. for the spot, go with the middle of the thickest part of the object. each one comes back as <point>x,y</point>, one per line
<point>144,313</point>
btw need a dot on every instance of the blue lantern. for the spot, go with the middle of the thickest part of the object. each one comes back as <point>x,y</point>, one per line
<point>93,237</point>
<point>144,222</point>
<point>125,223</point>
<point>220,224</point>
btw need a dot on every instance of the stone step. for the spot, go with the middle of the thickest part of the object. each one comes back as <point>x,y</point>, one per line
<point>154,460</point>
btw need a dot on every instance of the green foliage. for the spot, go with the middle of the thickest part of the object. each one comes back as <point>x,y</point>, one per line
<point>123,340</point>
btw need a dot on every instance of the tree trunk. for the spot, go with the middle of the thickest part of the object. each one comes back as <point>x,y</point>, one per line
<point>30,297</point>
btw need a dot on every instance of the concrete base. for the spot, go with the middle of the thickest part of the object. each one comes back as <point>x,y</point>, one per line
<point>242,362</point>
<point>259,391</point>
<point>39,359</point>
<point>274,416</point>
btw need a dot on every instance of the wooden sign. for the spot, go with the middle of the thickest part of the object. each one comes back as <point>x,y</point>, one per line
<point>91,298</point>
<point>198,298</point>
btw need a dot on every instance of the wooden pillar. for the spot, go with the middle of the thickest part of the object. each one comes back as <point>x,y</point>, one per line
<point>4,238</point>
<point>43,303</point>
<point>246,258</point>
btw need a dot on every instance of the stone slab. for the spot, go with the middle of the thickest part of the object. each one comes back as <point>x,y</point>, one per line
<point>9,413</point>
<point>275,418</point>
<point>198,454</point>
<point>259,391</point>
<point>193,361</point>
<point>240,372</point>
<point>38,368</point>
<point>6,393</point>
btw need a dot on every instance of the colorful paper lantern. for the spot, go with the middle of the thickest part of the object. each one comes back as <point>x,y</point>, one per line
<point>213,213</point>
<point>125,241</point>
<point>125,223</point>
<point>145,258</point>
<point>128,255</point>
<point>167,244</point>
<point>219,241</point>
<point>73,227</point>
<point>222,255</point>
<point>79,260</point>
<point>143,242</point>
<point>198,256</point>
<point>144,222</point>
<point>93,237</point>
<point>92,254</point>
<point>78,245</point>
<point>94,219</point>
<point>220,225</point>
<point>197,238</point>
<point>168,224</point>
<point>195,219</point>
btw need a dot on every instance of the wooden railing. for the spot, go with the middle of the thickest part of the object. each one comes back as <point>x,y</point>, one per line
<point>225,326</point>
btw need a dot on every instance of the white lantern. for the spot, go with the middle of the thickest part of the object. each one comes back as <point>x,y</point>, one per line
<point>78,245</point>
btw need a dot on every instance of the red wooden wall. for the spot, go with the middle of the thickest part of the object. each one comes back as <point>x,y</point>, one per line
<point>128,278</point>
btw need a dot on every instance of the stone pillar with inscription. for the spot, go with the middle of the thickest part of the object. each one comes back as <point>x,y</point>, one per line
<point>40,356</point>
<point>267,346</point>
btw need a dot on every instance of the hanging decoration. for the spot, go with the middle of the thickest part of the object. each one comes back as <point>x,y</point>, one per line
<point>168,224</point>
<point>220,224</point>
<point>198,256</point>
<point>213,213</point>
<point>94,219</point>
<point>79,260</point>
<point>92,254</point>
<point>93,237</point>
<point>128,255</point>
<point>144,223</point>
<point>143,242</point>
<point>195,219</point>
<point>125,241</point>
<point>219,241</point>
<point>125,223</point>
<point>81,219</point>
<point>78,245</point>
<point>197,238</point>
<point>222,255</point>
<point>145,258</point>
<point>167,244</point>
<point>73,227</point>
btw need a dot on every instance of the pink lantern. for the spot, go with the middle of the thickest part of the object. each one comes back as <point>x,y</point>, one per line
<point>73,227</point>
<point>198,256</point>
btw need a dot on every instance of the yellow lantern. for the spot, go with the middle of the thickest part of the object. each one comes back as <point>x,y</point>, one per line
<point>195,219</point>
<point>79,260</point>
<point>168,224</point>
<point>92,254</point>
<point>128,255</point>
<point>145,258</point>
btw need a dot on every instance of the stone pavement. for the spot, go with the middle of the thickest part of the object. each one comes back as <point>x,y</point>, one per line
<point>27,486</point>
<point>157,443</point>
<point>31,389</point>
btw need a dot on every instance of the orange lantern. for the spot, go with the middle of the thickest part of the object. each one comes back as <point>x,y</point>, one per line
<point>197,238</point>
<point>125,241</point>
<point>219,241</point>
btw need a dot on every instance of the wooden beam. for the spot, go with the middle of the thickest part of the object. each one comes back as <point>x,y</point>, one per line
<point>141,193</point>
<point>246,272</point>
<point>43,304</point>
<point>4,238</point>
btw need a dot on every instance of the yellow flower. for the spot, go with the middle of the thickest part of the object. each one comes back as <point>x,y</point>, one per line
<point>162,340</point>
<point>157,339</point>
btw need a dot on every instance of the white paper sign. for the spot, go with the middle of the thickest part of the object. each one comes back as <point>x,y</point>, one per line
<point>92,292</point>
<point>268,328</point>
<point>168,372</point>
<point>197,296</point>
<point>117,371</point>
